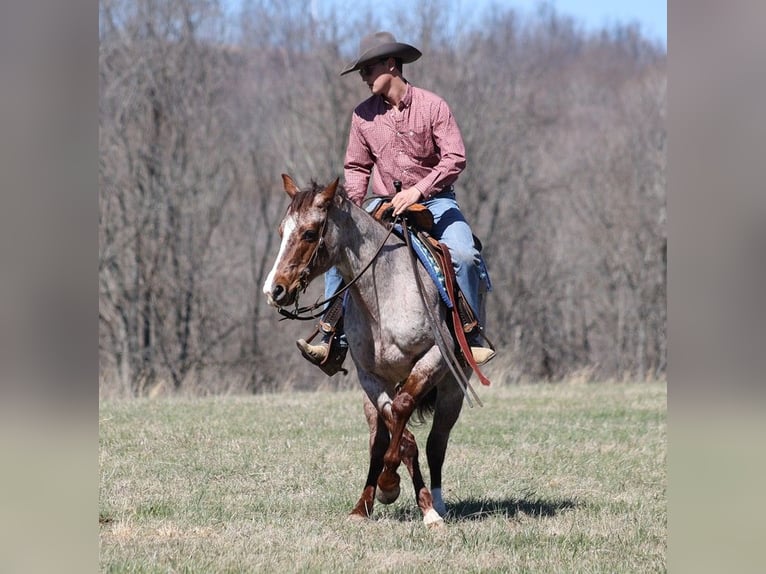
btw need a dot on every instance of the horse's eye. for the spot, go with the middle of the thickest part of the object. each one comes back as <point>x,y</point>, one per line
<point>310,235</point>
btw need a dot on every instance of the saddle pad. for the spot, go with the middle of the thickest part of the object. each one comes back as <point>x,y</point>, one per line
<point>429,263</point>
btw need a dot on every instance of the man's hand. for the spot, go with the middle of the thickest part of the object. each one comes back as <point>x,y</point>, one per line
<point>402,200</point>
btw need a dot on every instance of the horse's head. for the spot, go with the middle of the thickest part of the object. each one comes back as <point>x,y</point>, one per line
<point>302,231</point>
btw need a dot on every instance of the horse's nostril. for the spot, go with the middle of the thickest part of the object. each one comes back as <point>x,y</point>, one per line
<point>278,293</point>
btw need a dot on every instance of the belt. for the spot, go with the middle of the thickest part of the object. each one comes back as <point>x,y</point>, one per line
<point>444,190</point>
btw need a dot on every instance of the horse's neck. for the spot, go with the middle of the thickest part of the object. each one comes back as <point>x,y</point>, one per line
<point>361,237</point>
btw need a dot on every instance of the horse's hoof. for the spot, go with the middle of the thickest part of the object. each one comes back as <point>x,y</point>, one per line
<point>354,517</point>
<point>387,496</point>
<point>388,487</point>
<point>432,519</point>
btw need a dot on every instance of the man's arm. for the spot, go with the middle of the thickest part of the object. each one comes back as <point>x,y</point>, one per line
<point>449,140</point>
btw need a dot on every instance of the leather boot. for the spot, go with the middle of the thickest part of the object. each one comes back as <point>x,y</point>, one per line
<point>482,355</point>
<point>318,353</point>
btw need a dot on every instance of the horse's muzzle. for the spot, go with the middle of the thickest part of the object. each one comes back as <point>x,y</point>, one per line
<point>280,296</point>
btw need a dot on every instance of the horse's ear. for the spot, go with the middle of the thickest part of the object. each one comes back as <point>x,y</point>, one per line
<point>290,188</point>
<point>328,193</point>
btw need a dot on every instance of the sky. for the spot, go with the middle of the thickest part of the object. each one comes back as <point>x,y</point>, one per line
<point>651,15</point>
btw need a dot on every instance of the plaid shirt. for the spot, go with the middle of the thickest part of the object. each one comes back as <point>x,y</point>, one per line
<point>418,143</point>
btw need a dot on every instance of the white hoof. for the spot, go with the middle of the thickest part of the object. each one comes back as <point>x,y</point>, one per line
<point>432,519</point>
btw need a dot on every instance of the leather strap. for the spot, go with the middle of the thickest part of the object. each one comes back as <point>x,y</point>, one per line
<point>443,253</point>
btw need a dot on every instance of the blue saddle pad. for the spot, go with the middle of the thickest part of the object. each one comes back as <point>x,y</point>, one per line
<point>430,264</point>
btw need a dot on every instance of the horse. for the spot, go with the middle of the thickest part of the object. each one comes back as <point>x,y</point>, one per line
<point>391,339</point>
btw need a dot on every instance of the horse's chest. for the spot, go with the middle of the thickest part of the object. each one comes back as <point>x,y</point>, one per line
<point>389,342</point>
<point>385,355</point>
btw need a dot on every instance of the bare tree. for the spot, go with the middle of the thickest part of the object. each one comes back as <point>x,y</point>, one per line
<point>565,185</point>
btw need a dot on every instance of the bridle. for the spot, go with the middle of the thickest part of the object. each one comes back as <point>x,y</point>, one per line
<point>308,313</point>
<point>306,271</point>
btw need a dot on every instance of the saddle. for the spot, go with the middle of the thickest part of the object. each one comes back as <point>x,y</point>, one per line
<point>421,221</point>
<point>417,214</point>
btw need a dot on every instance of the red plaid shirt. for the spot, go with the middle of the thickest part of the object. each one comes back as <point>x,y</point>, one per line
<point>419,144</point>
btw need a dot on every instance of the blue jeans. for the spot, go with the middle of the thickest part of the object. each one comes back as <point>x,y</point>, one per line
<point>452,229</point>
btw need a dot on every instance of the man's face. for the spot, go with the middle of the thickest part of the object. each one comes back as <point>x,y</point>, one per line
<point>374,75</point>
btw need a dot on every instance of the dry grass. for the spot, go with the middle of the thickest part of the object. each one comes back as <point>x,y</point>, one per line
<point>544,478</point>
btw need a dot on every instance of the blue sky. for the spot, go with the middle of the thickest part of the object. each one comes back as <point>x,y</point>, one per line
<point>651,15</point>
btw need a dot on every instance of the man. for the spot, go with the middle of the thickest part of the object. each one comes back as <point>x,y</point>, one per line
<point>408,134</point>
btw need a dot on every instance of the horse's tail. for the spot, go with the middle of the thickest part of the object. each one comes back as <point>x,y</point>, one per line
<point>425,407</point>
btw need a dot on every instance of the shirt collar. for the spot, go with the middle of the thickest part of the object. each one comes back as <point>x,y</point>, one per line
<point>405,101</point>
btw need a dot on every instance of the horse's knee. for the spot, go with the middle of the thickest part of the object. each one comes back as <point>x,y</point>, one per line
<point>403,405</point>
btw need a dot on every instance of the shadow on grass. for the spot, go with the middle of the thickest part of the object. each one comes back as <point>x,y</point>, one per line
<point>472,509</point>
<point>481,509</point>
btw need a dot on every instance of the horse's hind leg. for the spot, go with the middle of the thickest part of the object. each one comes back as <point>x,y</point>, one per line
<point>449,403</point>
<point>409,452</point>
<point>379,439</point>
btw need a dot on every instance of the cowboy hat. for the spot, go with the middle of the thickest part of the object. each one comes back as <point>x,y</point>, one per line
<point>382,45</point>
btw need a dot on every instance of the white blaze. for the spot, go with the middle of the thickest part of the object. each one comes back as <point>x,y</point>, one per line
<point>287,231</point>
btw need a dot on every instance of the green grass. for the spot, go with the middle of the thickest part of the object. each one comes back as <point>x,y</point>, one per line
<point>543,478</point>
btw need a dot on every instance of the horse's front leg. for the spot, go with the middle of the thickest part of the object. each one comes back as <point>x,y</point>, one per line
<point>403,445</point>
<point>379,440</point>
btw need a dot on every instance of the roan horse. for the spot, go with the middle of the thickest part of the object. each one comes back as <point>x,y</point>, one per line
<point>392,342</point>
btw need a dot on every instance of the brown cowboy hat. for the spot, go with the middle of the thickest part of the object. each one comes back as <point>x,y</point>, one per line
<point>382,45</point>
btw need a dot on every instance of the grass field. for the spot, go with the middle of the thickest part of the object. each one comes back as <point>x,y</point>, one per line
<point>543,478</point>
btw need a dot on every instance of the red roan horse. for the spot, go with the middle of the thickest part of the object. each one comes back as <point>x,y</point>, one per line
<point>391,340</point>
